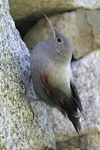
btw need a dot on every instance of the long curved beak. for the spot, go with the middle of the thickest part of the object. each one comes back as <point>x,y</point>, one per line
<point>51,26</point>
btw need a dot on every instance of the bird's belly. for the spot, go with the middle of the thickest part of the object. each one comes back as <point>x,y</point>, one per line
<point>61,79</point>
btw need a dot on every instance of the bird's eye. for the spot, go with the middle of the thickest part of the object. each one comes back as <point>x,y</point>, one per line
<point>59,40</point>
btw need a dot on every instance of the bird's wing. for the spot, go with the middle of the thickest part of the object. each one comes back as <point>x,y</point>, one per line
<point>58,95</point>
<point>76,97</point>
<point>52,92</point>
<point>66,103</point>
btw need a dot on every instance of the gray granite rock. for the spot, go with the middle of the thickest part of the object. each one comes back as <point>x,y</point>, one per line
<point>88,4</point>
<point>86,74</point>
<point>81,27</point>
<point>23,124</point>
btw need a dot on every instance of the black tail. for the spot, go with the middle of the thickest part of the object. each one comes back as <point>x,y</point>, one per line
<point>75,122</point>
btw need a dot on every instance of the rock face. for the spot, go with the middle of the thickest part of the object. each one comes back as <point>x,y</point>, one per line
<point>37,8</point>
<point>86,74</point>
<point>23,125</point>
<point>26,13</point>
<point>81,27</point>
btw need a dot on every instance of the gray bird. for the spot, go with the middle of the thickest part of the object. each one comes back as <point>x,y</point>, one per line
<point>52,76</point>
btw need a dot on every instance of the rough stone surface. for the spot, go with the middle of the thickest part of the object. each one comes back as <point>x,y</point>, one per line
<point>91,4</point>
<point>81,27</point>
<point>18,129</point>
<point>72,149</point>
<point>26,13</point>
<point>34,9</point>
<point>23,124</point>
<point>86,74</point>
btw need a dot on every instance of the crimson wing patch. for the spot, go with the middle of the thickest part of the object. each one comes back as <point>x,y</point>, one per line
<point>51,92</point>
<point>67,104</point>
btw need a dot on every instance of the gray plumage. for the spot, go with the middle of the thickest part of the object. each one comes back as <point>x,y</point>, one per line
<point>52,77</point>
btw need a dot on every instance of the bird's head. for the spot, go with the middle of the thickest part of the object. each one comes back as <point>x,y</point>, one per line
<point>59,44</point>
